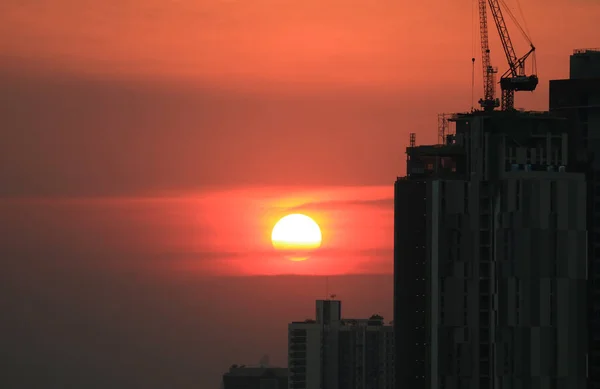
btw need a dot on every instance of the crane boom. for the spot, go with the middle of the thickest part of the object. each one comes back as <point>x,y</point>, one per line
<point>503,32</point>
<point>514,79</point>
<point>488,102</point>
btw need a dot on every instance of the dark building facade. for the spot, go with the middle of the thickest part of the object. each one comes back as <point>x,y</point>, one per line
<point>578,100</point>
<point>490,248</point>
<point>259,377</point>
<point>409,287</point>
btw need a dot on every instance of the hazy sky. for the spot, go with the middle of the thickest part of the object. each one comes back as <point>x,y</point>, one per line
<point>110,97</point>
<point>162,139</point>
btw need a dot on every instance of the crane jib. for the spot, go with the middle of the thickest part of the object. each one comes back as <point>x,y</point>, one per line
<point>514,79</point>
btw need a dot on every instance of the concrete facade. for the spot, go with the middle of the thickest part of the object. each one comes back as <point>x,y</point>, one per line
<point>494,291</point>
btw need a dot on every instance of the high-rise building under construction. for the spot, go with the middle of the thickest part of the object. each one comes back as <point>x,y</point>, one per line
<point>490,257</point>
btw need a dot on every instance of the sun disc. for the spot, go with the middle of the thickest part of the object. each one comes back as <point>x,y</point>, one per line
<point>296,232</point>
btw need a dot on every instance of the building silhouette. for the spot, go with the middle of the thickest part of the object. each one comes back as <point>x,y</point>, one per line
<point>335,353</point>
<point>255,377</point>
<point>578,99</point>
<point>490,251</point>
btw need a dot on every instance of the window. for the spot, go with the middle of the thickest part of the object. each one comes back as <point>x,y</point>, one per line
<point>484,286</point>
<point>484,269</point>
<point>484,300</point>
<point>466,197</point>
<point>552,196</point>
<point>484,333</point>
<point>484,319</point>
<point>484,350</point>
<point>484,238</point>
<point>518,195</point>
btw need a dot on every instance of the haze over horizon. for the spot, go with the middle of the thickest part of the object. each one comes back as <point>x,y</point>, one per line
<point>149,147</point>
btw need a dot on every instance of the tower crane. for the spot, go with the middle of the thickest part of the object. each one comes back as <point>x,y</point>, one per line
<point>514,79</point>
<point>488,102</point>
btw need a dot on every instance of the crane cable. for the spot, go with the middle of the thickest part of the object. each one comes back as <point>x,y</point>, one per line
<point>473,28</point>
<point>523,18</point>
<point>473,4</point>
<point>533,59</point>
<point>523,32</point>
<point>515,21</point>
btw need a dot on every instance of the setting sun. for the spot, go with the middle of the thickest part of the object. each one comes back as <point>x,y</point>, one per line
<point>296,232</point>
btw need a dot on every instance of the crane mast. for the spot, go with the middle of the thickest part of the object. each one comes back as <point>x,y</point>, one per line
<point>514,79</point>
<point>488,102</point>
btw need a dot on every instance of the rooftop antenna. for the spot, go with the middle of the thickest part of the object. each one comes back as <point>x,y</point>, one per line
<point>442,127</point>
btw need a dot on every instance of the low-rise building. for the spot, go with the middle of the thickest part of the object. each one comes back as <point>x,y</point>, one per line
<point>255,377</point>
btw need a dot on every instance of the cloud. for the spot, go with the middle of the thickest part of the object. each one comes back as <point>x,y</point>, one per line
<point>324,261</point>
<point>242,255</point>
<point>386,203</point>
<point>71,136</point>
<point>219,232</point>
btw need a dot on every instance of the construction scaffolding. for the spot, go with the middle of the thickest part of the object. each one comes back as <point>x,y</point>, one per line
<point>444,128</point>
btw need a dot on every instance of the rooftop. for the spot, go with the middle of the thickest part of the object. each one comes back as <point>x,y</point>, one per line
<point>586,51</point>
<point>256,371</point>
<point>374,320</point>
<point>498,113</point>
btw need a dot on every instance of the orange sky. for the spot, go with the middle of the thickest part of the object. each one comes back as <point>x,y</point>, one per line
<point>383,44</point>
